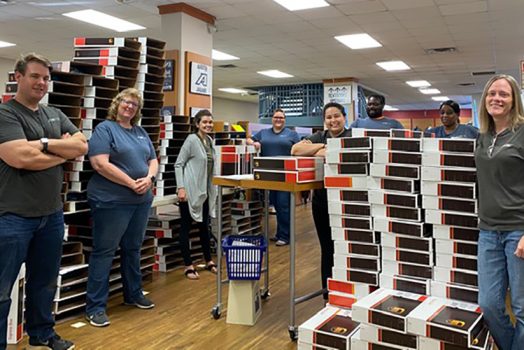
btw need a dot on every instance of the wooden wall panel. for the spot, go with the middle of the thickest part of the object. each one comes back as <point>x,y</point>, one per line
<point>171,97</point>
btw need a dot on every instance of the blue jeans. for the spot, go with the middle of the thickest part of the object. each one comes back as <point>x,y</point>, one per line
<point>280,201</point>
<point>115,225</point>
<point>38,242</point>
<point>498,269</point>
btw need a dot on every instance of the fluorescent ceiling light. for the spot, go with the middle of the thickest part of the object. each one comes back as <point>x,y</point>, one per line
<point>296,5</point>
<point>233,90</point>
<point>430,91</point>
<point>358,41</point>
<point>273,73</point>
<point>440,98</point>
<point>393,65</point>
<point>418,83</point>
<point>390,108</point>
<point>222,56</point>
<point>6,44</point>
<point>103,20</point>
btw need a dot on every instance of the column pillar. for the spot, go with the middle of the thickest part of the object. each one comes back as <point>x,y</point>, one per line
<point>189,31</point>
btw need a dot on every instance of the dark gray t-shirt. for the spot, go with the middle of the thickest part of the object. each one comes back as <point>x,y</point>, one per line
<point>31,193</point>
<point>130,150</point>
<point>499,174</point>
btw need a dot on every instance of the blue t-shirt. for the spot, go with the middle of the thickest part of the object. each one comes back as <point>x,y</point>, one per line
<point>370,123</point>
<point>274,144</point>
<point>130,150</point>
<point>462,131</point>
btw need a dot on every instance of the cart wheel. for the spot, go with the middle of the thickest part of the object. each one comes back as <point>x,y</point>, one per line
<point>293,334</point>
<point>265,295</point>
<point>215,312</point>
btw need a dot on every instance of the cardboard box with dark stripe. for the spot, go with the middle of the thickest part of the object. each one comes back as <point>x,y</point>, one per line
<point>395,170</point>
<point>288,163</point>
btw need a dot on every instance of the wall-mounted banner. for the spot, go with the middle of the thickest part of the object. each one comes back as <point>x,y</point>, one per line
<point>201,79</point>
<point>337,93</point>
<point>169,75</point>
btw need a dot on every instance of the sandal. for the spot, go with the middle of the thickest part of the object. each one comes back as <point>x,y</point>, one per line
<point>211,267</point>
<point>191,274</point>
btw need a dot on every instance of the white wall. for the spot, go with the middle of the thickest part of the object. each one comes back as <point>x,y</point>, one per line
<point>233,111</point>
<point>5,67</point>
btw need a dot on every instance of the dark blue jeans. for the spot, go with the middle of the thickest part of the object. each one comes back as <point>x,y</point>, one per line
<point>280,201</point>
<point>38,242</point>
<point>115,225</point>
<point>498,269</point>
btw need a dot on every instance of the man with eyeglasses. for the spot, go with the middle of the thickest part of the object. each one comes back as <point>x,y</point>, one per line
<point>35,140</point>
<point>277,141</point>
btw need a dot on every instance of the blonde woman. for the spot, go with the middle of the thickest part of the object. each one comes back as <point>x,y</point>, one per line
<point>120,196</point>
<point>500,164</point>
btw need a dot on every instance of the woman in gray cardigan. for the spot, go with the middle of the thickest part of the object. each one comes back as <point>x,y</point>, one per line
<point>197,196</point>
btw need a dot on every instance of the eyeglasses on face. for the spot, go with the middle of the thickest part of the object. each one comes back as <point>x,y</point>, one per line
<point>130,103</point>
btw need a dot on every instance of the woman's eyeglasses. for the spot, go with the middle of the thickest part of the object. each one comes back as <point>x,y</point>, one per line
<point>130,103</point>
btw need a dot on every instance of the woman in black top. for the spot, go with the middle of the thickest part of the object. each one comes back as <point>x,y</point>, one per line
<point>315,145</point>
<point>499,157</point>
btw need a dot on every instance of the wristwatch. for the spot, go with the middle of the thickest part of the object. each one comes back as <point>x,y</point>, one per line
<point>153,178</point>
<point>45,144</point>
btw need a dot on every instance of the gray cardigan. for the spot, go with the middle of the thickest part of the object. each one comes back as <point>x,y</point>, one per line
<point>191,174</point>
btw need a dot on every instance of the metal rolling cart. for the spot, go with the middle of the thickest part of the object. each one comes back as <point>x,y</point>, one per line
<point>247,182</point>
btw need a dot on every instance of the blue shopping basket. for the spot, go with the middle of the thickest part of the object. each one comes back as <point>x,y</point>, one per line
<point>244,255</point>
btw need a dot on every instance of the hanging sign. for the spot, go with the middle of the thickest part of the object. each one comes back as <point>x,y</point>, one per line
<point>201,78</point>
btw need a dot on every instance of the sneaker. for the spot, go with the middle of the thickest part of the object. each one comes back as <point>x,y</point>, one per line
<point>273,238</point>
<point>142,303</point>
<point>53,343</point>
<point>281,243</point>
<point>98,319</point>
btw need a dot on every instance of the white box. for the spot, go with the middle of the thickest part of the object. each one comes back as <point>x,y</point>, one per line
<point>484,342</point>
<point>356,262</point>
<point>359,290</point>
<point>406,242</point>
<point>356,143</point>
<point>353,235</point>
<point>393,212</point>
<point>407,200</point>
<point>339,156</point>
<point>341,300</point>
<point>345,181</point>
<point>349,209</point>
<point>398,144</point>
<point>454,291</point>
<point>356,276</point>
<point>390,267</point>
<point>448,159</point>
<point>449,145</point>
<point>407,256</point>
<point>15,317</point>
<point>407,284</point>
<point>359,132</point>
<point>455,174</point>
<point>447,320</point>
<point>386,157</point>
<point>450,204</point>
<point>347,195</point>
<point>461,262</point>
<point>357,249</point>
<point>395,170</point>
<point>330,327</point>
<point>356,222</point>
<point>306,346</point>
<point>393,184</point>
<point>388,337</point>
<point>450,275</point>
<point>409,228</point>
<point>387,309</point>
<point>354,169</point>
<point>456,247</point>
<point>452,232</point>
<point>449,189</point>
<point>451,218</point>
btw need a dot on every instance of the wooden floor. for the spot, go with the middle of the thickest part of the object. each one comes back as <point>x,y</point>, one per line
<point>182,318</point>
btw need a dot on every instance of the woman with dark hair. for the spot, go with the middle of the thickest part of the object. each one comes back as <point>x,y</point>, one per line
<point>500,164</point>
<point>451,128</point>
<point>120,197</point>
<point>315,145</point>
<point>197,196</point>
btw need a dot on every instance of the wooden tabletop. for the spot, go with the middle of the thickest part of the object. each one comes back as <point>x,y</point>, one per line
<point>266,185</point>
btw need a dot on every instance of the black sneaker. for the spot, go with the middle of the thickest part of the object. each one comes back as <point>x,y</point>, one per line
<point>98,319</point>
<point>142,303</point>
<point>53,343</point>
<point>273,238</point>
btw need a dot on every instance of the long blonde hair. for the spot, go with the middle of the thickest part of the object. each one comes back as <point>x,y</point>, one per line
<point>516,115</point>
<point>112,113</point>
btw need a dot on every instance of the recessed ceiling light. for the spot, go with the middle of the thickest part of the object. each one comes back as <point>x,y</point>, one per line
<point>429,91</point>
<point>103,20</point>
<point>418,83</point>
<point>390,108</point>
<point>222,56</point>
<point>358,41</point>
<point>393,65</point>
<point>440,98</point>
<point>233,90</point>
<point>296,5</point>
<point>273,73</point>
<point>6,44</point>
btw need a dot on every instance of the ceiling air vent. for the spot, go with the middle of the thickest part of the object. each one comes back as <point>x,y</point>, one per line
<point>441,50</point>
<point>226,66</point>
<point>480,73</point>
<point>466,84</point>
